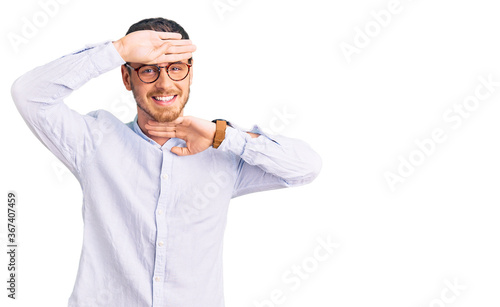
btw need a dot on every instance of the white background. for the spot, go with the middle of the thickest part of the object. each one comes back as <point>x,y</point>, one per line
<point>263,58</point>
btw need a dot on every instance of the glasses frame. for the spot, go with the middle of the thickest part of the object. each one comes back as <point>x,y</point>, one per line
<point>159,69</point>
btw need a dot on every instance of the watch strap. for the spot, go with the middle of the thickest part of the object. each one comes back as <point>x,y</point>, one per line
<point>220,132</point>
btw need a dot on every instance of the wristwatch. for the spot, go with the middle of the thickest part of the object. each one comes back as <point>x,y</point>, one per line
<point>220,131</point>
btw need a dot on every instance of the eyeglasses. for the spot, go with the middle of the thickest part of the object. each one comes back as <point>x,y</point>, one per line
<point>150,73</point>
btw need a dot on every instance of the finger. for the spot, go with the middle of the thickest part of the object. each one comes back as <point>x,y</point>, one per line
<point>178,120</point>
<point>179,42</point>
<point>180,151</point>
<point>164,45</point>
<point>176,57</point>
<point>171,52</point>
<point>160,127</point>
<point>168,35</point>
<point>168,48</point>
<point>181,134</point>
<point>164,134</point>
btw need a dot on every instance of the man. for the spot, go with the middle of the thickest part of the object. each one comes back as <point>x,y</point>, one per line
<point>156,190</point>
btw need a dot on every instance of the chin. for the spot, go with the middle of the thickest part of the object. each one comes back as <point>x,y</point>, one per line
<point>164,118</point>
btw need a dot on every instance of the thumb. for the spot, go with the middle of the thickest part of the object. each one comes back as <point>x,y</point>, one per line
<point>180,151</point>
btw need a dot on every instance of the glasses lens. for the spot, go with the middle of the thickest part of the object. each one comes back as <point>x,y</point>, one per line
<point>178,71</point>
<point>149,73</point>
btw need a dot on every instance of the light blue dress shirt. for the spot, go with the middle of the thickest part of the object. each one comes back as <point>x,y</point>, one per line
<point>153,221</point>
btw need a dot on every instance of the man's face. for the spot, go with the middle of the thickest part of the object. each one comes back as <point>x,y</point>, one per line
<point>162,100</point>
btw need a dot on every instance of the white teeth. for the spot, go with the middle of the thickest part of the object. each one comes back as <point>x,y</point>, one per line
<point>164,98</point>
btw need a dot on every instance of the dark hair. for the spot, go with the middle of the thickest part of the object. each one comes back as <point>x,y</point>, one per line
<point>158,24</point>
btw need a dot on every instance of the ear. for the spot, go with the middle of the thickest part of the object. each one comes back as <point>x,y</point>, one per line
<point>126,78</point>
<point>191,73</point>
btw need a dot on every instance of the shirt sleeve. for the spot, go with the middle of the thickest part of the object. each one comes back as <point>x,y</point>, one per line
<point>269,162</point>
<point>39,96</point>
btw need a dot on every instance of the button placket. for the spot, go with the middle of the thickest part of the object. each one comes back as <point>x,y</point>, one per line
<point>161,230</point>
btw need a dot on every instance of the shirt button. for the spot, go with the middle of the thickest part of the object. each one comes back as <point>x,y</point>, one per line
<point>164,176</point>
<point>160,243</point>
<point>160,212</point>
<point>157,278</point>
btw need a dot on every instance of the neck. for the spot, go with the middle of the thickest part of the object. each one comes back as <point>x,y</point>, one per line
<point>142,119</point>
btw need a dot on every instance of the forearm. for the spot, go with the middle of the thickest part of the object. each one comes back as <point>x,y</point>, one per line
<point>49,84</point>
<point>39,96</point>
<point>290,159</point>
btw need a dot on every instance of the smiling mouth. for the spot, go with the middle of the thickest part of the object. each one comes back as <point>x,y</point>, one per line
<point>164,100</point>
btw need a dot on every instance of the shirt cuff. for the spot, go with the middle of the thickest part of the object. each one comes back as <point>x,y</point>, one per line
<point>256,129</point>
<point>235,140</point>
<point>105,57</point>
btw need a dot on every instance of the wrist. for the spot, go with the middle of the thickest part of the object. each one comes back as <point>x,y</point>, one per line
<point>253,135</point>
<point>119,48</point>
<point>220,132</point>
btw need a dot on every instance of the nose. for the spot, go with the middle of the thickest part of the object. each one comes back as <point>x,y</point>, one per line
<point>164,80</point>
